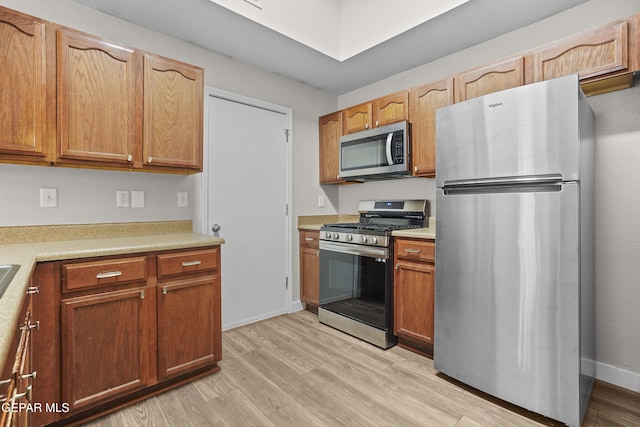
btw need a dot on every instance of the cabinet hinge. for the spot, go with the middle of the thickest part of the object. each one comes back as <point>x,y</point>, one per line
<point>286,282</point>
<point>286,134</point>
<point>286,209</point>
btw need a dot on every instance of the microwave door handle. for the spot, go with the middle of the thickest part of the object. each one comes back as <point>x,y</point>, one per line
<point>389,156</point>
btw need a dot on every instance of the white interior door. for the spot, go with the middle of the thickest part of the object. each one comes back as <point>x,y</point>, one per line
<point>247,195</point>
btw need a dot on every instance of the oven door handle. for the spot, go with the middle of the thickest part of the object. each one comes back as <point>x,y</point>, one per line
<point>351,249</point>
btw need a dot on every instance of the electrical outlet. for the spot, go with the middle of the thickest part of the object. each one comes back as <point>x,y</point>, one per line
<point>137,199</point>
<point>321,201</point>
<point>122,199</point>
<point>48,197</point>
<point>183,199</point>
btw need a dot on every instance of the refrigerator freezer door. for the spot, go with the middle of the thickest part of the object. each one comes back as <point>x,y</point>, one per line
<point>528,130</point>
<point>507,295</point>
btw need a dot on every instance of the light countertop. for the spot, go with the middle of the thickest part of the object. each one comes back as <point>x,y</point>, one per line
<point>26,252</point>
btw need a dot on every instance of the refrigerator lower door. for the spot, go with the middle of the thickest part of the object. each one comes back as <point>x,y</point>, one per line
<point>507,296</point>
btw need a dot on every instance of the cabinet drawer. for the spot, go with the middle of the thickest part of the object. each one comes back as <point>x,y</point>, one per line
<point>187,262</point>
<point>101,273</point>
<point>310,239</point>
<point>415,250</point>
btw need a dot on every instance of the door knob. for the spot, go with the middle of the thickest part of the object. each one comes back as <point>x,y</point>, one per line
<point>215,228</point>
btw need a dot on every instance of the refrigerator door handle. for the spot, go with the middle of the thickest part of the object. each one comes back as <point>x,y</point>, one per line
<point>524,184</point>
<point>555,178</point>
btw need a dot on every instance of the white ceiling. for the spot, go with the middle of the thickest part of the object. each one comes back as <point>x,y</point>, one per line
<point>221,30</point>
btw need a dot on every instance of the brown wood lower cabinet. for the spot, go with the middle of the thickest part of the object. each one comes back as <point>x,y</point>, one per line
<point>187,338</point>
<point>414,284</point>
<point>107,346</point>
<point>120,328</point>
<point>310,269</point>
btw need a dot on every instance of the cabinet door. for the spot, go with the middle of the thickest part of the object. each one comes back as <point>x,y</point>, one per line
<point>310,269</point>
<point>357,118</point>
<point>97,104</point>
<point>330,129</point>
<point>391,109</point>
<point>173,114</point>
<point>106,345</point>
<point>590,54</point>
<point>24,83</point>
<point>490,78</point>
<point>424,101</point>
<point>189,325</point>
<point>413,300</point>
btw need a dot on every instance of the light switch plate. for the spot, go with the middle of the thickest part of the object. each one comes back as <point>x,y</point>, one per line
<point>183,199</point>
<point>137,199</point>
<point>48,197</point>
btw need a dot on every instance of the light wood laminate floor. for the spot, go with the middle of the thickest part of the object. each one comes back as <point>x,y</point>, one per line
<point>293,371</point>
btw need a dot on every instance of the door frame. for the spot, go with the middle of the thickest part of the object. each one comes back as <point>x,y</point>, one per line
<point>211,92</point>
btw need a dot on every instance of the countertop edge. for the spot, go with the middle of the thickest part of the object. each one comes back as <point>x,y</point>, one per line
<point>27,255</point>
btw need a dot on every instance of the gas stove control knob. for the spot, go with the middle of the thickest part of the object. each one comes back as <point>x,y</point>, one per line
<point>336,236</point>
<point>349,237</point>
<point>374,240</point>
<point>327,235</point>
<point>363,239</point>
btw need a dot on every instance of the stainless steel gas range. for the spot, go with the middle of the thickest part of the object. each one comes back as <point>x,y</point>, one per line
<point>356,268</point>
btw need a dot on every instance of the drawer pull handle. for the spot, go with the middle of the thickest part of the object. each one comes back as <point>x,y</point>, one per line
<point>108,274</point>
<point>191,263</point>
<point>164,290</point>
<point>30,325</point>
<point>309,239</point>
<point>33,290</point>
<point>31,375</point>
<point>7,381</point>
<point>412,251</point>
<point>26,394</point>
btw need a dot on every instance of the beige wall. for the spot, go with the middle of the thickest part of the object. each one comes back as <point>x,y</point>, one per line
<point>617,172</point>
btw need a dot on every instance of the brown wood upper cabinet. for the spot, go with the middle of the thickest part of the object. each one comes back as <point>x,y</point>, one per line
<point>173,114</point>
<point>379,112</point>
<point>593,54</point>
<point>97,100</point>
<point>391,109</point>
<point>424,101</point>
<point>494,77</point>
<point>27,89</point>
<point>330,127</point>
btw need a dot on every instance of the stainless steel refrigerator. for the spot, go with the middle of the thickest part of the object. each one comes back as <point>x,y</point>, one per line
<point>514,296</point>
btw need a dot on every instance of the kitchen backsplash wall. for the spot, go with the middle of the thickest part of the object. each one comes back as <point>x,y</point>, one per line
<point>88,196</point>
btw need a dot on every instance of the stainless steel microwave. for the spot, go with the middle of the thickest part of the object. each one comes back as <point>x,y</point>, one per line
<point>378,153</point>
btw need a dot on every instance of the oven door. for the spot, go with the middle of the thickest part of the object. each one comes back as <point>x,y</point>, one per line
<point>355,281</point>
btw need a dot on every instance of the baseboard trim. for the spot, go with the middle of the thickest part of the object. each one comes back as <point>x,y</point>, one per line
<point>616,376</point>
<point>296,306</point>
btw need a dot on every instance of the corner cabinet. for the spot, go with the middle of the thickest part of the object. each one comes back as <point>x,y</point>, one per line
<point>27,84</point>
<point>424,101</point>
<point>173,114</point>
<point>414,285</point>
<point>98,102</point>
<point>310,269</point>
<point>330,130</point>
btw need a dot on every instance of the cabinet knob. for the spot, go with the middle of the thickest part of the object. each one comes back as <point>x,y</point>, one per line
<point>129,157</point>
<point>366,126</point>
<point>377,123</point>
<point>149,159</point>
<point>397,266</point>
<point>415,169</point>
